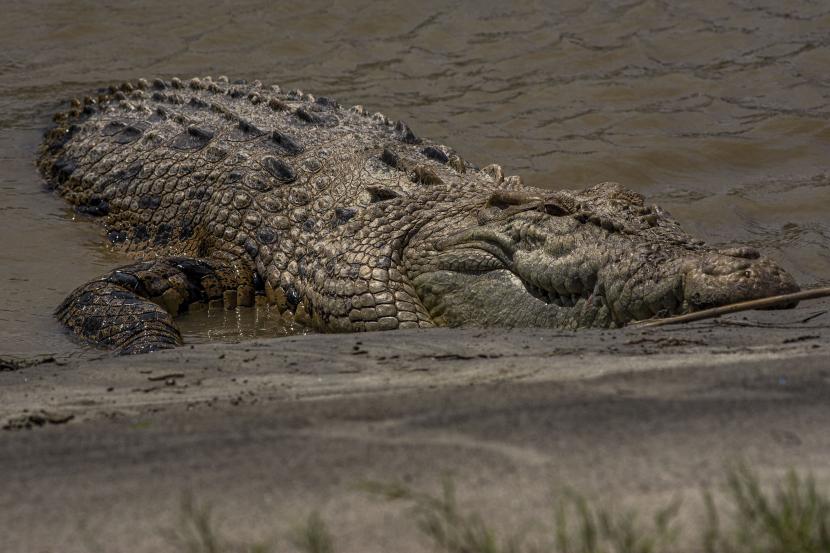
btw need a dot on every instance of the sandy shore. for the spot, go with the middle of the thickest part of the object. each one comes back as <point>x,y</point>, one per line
<point>97,454</point>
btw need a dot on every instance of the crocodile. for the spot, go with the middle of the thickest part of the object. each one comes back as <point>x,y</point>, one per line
<point>344,220</point>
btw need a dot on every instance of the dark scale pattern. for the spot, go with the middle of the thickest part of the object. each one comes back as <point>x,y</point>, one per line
<point>348,222</point>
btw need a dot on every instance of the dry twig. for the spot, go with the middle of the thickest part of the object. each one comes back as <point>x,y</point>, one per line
<point>762,303</point>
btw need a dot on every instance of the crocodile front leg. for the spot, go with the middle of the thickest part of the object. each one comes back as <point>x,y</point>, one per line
<point>131,309</point>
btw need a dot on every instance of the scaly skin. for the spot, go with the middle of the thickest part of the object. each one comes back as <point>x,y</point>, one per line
<point>350,222</point>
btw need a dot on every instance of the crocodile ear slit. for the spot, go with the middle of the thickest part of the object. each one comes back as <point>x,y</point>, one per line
<point>503,199</point>
<point>504,203</point>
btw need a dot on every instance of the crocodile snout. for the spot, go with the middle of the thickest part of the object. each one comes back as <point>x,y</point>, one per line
<point>731,276</point>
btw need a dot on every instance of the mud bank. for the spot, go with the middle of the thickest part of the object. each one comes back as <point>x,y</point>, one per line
<point>102,451</point>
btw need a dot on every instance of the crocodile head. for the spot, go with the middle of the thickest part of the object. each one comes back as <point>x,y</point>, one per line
<point>599,257</point>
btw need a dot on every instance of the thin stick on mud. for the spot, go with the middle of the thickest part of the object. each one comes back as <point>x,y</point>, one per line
<point>772,301</point>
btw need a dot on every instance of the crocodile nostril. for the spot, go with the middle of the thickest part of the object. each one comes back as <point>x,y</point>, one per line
<point>723,267</point>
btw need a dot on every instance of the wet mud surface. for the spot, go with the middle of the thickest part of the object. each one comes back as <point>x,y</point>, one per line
<point>104,450</point>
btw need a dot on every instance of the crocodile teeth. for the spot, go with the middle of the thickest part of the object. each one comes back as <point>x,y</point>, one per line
<point>553,297</point>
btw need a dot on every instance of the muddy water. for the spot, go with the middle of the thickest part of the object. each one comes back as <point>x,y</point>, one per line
<point>719,111</point>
